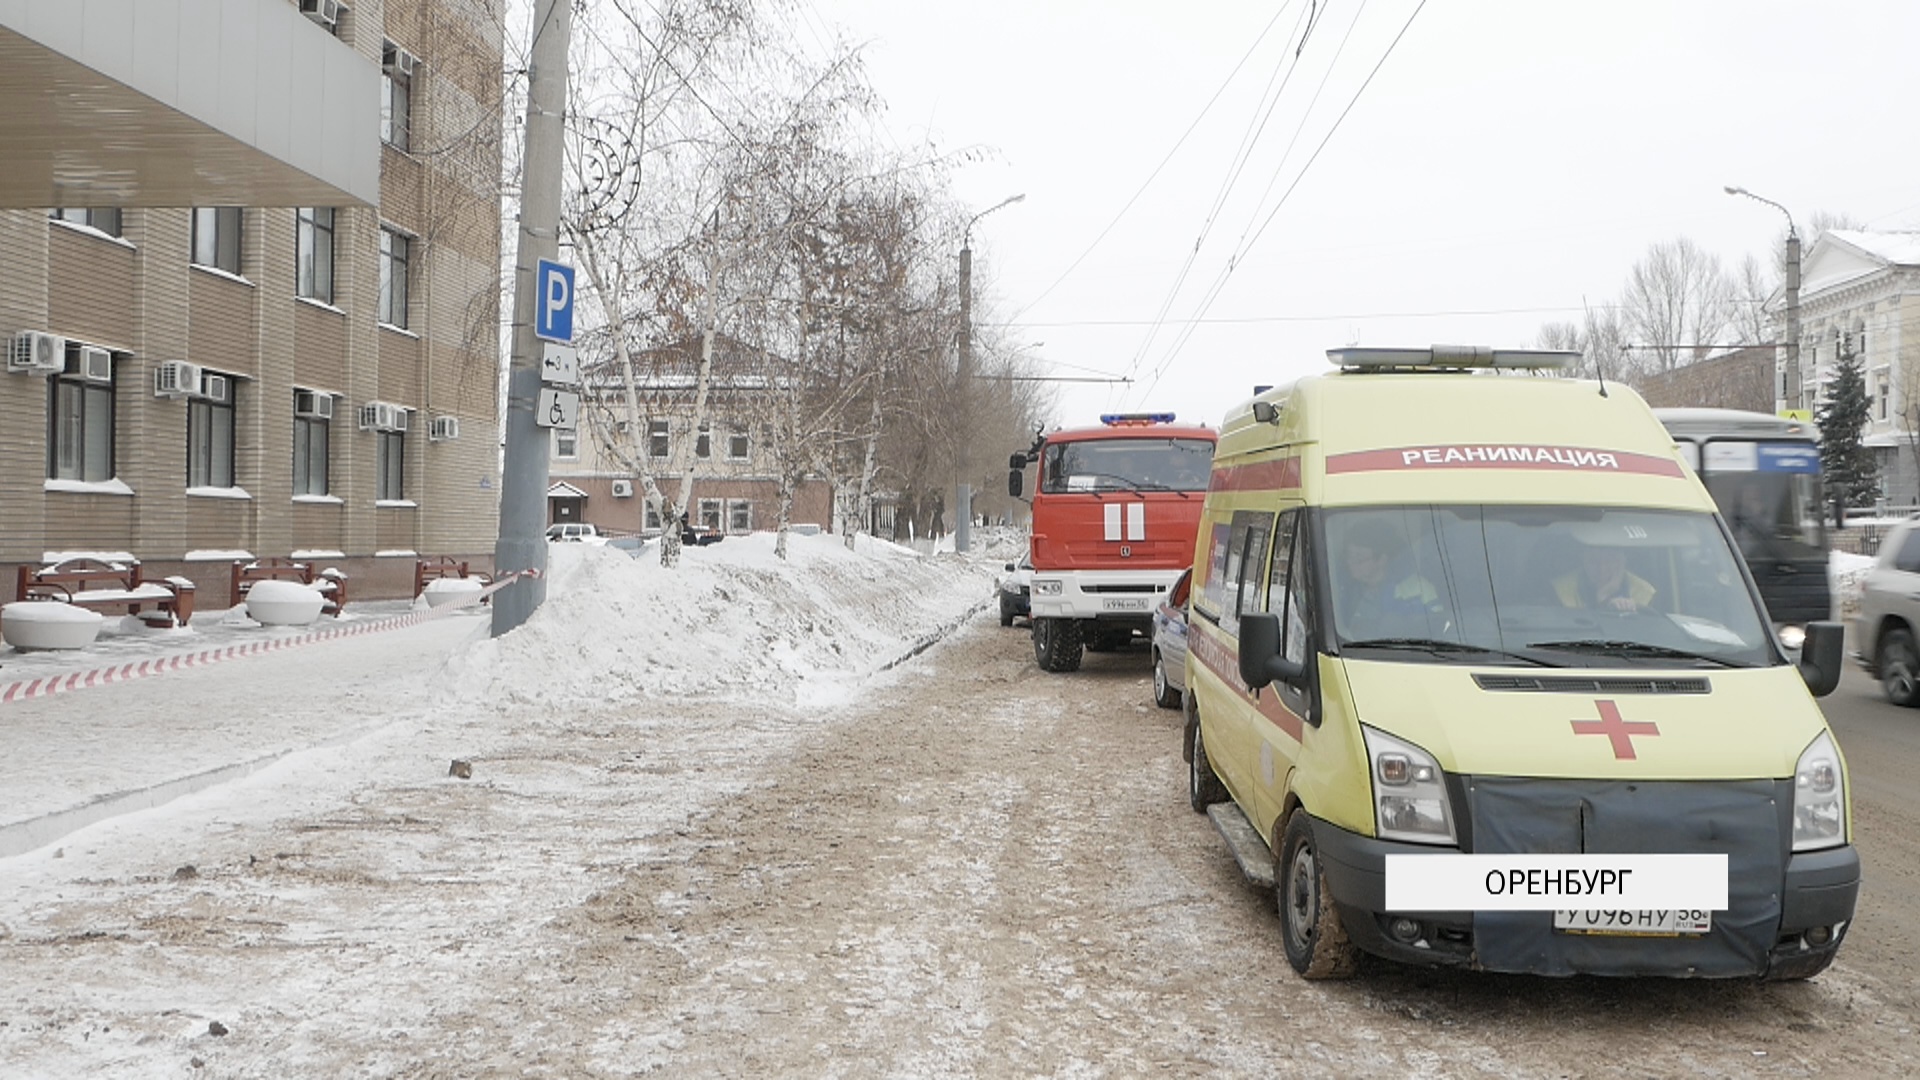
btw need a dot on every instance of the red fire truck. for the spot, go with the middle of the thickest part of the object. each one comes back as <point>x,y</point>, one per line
<point>1115,512</point>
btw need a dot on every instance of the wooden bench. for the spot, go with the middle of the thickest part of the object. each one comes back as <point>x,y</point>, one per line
<point>114,587</point>
<point>445,566</point>
<point>331,583</point>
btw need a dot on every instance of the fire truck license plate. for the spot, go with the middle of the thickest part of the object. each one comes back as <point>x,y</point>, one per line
<point>1124,603</point>
<point>1650,923</point>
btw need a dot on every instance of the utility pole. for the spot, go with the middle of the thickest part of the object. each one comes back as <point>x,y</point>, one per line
<point>1793,395</point>
<point>963,491</point>
<point>522,545</point>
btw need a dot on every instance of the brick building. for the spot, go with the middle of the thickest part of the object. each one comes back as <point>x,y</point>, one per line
<point>250,281</point>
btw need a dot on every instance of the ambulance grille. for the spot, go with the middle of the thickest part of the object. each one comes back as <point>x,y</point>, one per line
<point>1577,684</point>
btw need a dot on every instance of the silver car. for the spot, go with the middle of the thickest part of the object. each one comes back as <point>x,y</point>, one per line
<point>1886,633</point>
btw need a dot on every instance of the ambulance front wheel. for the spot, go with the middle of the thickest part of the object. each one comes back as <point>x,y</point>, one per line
<point>1056,644</point>
<point>1310,928</point>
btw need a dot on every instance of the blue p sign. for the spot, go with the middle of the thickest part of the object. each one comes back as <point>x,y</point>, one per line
<point>553,301</point>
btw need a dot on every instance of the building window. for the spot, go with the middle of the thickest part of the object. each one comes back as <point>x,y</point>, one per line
<point>310,438</point>
<point>652,518</point>
<point>703,446</point>
<point>394,249</point>
<point>390,458</point>
<point>216,237</point>
<point>1883,394</point>
<point>737,446</point>
<point>313,253</point>
<point>740,516</point>
<point>396,96</point>
<point>566,444</point>
<point>656,438</point>
<point>106,220</point>
<point>80,439</point>
<point>710,514</point>
<point>210,442</point>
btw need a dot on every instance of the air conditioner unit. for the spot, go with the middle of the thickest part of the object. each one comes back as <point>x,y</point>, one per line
<point>312,405</point>
<point>35,353</point>
<point>382,416</point>
<point>444,428</point>
<point>96,365</point>
<point>176,378</point>
<point>215,387</point>
<point>398,61</point>
<point>324,12</point>
<point>623,489</point>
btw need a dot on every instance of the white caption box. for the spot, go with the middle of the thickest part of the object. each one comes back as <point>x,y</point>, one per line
<point>1456,882</point>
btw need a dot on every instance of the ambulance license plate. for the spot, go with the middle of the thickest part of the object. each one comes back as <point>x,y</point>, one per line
<point>1643,923</point>
<point>1124,603</point>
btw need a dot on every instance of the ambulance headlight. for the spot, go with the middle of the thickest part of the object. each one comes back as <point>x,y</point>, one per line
<point>1409,794</point>
<point>1792,637</point>
<point>1047,588</point>
<point>1819,797</point>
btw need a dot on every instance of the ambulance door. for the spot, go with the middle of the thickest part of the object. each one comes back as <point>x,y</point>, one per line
<point>1287,710</point>
<point>1241,588</point>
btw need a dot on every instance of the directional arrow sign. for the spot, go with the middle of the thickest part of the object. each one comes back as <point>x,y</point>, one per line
<point>559,364</point>
<point>557,409</point>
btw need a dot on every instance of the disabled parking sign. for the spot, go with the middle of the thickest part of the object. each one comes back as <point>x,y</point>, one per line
<point>553,301</point>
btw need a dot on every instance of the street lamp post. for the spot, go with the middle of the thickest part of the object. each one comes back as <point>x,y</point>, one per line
<point>1794,396</point>
<point>963,491</point>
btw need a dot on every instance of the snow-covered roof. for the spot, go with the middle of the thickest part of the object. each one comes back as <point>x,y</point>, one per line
<point>1898,248</point>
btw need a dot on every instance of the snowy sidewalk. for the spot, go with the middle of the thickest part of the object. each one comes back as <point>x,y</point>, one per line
<point>732,621</point>
<point>70,758</point>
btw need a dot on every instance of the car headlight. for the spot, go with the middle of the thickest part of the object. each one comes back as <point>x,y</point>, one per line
<point>1047,588</point>
<point>1819,797</point>
<point>1409,796</point>
<point>1793,636</point>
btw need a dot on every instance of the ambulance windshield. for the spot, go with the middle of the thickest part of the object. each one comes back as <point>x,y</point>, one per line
<point>1135,464</point>
<point>1577,586</point>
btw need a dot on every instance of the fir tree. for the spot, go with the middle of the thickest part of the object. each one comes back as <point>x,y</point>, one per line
<point>1851,471</point>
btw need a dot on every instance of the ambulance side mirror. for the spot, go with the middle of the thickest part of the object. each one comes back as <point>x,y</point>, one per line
<point>1821,657</point>
<point>1260,659</point>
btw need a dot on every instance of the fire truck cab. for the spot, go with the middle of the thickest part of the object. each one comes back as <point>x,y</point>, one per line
<point>1116,509</point>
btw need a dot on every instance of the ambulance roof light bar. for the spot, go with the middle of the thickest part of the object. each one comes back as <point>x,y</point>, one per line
<point>1137,419</point>
<point>1449,358</point>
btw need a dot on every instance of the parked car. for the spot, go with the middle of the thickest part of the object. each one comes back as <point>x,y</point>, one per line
<point>575,532</point>
<point>632,545</point>
<point>1886,633</point>
<point>1016,592</point>
<point>1170,644</point>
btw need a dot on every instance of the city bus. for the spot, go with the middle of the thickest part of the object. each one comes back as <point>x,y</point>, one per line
<point>1764,474</point>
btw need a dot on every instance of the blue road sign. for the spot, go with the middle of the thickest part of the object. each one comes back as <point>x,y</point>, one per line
<point>553,301</point>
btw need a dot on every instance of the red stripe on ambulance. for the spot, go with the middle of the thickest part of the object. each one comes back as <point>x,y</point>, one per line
<point>1501,456</point>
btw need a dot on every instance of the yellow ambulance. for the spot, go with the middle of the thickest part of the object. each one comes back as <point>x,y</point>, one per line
<point>1459,619</point>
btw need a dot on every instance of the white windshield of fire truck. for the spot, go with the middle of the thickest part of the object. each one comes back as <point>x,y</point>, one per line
<point>1136,464</point>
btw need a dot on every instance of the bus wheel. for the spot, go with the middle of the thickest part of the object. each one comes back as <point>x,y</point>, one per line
<point>1315,942</point>
<point>1899,668</point>
<point>1056,644</point>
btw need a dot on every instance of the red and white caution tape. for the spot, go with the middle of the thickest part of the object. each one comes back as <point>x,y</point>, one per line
<point>80,680</point>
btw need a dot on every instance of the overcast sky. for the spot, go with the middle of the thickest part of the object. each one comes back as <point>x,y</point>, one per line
<point>1510,156</point>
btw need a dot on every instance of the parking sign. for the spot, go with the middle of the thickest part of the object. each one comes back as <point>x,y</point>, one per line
<point>553,301</point>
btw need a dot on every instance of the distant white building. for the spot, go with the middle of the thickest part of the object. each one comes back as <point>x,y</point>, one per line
<point>1860,290</point>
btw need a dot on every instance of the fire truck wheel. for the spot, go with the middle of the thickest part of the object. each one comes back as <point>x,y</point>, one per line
<point>1056,644</point>
<point>1203,787</point>
<point>1006,610</point>
<point>1315,942</point>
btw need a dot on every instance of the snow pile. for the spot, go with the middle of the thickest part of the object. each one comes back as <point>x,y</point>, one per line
<point>731,620</point>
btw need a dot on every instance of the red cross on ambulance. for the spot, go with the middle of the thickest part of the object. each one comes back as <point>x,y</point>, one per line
<point>1618,731</point>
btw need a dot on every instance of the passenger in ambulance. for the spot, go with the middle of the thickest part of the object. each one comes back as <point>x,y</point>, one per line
<point>1374,597</point>
<point>1603,581</point>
